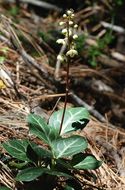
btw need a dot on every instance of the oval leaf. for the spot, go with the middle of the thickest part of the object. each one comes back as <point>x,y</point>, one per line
<point>29,174</point>
<point>17,148</point>
<point>39,128</point>
<point>75,118</point>
<point>64,147</point>
<point>87,163</point>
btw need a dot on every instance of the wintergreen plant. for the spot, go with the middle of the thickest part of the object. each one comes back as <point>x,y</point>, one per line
<point>63,154</point>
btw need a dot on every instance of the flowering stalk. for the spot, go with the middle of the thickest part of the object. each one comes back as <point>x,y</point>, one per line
<point>71,51</point>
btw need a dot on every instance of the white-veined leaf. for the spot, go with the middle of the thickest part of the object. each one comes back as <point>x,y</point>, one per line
<point>74,119</point>
<point>17,148</point>
<point>86,163</point>
<point>39,127</point>
<point>65,147</point>
<point>29,174</point>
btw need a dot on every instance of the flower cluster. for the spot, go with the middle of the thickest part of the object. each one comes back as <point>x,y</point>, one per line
<point>69,35</point>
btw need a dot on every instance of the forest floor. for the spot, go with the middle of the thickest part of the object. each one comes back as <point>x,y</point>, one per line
<point>32,80</point>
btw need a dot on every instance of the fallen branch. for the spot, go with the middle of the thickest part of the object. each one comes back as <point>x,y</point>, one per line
<point>113,27</point>
<point>38,3</point>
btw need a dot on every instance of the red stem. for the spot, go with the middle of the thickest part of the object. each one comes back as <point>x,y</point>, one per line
<point>67,79</point>
<point>66,96</point>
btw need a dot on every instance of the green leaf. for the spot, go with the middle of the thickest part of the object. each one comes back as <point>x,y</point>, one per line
<point>64,147</point>
<point>39,128</point>
<point>75,118</point>
<point>67,187</point>
<point>63,164</point>
<point>31,154</point>
<point>57,173</point>
<point>29,174</point>
<point>17,148</point>
<point>82,162</point>
<point>40,151</point>
<point>4,188</point>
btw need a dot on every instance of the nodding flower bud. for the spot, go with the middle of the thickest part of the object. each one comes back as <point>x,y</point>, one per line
<point>61,23</point>
<point>72,15</point>
<point>71,53</point>
<point>60,58</point>
<point>64,31</point>
<point>60,41</point>
<point>70,22</point>
<point>70,33</point>
<point>75,36</point>
<point>64,16</point>
<point>76,26</point>
<point>69,12</point>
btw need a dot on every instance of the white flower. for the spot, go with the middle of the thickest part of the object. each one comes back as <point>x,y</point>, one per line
<point>64,16</point>
<point>75,36</point>
<point>72,15</point>
<point>70,23</point>
<point>60,41</point>
<point>64,31</point>
<point>69,12</point>
<point>60,58</point>
<point>70,32</point>
<point>76,26</point>
<point>61,23</point>
<point>71,53</point>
